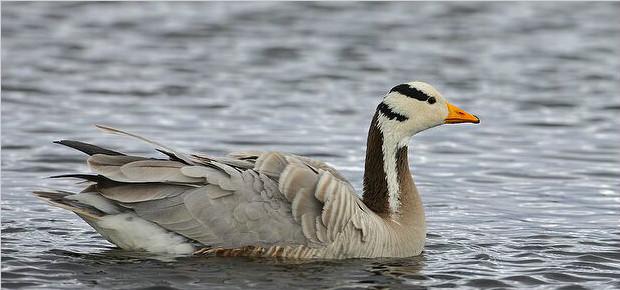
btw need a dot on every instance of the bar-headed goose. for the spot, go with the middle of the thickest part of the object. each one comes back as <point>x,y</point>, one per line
<point>265,203</point>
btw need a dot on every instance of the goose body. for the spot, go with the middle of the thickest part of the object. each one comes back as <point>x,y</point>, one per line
<point>265,203</point>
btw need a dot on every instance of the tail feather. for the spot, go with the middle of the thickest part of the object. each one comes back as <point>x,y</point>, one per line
<point>58,198</point>
<point>89,149</point>
<point>125,229</point>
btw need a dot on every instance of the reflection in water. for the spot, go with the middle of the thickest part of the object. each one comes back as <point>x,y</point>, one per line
<point>528,199</point>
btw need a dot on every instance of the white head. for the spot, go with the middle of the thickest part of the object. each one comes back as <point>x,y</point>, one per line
<point>416,106</point>
<point>406,110</point>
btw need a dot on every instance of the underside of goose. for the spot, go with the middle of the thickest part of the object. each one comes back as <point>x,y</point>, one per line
<point>265,204</point>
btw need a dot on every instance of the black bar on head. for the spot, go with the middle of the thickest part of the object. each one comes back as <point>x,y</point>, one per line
<point>387,112</point>
<point>408,91</point>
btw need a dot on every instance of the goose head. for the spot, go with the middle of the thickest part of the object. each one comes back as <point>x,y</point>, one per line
<point>413,107</point>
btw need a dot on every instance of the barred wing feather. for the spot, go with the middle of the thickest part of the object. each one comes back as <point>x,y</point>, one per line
<point>251,198</point>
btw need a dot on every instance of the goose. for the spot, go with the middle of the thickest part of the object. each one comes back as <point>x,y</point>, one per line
<point>265,204</point>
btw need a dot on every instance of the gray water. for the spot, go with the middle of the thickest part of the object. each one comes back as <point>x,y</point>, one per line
<point>529,198</point>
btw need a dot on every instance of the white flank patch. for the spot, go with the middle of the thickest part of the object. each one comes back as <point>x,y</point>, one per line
<point>96,200</point>
<point>131,232</point>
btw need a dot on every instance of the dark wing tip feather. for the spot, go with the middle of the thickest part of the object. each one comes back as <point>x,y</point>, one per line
<point>172,156</point>
<point>51,195</point>
<point>100,180</point>
<point>87,148</point>
<point>89,177</point>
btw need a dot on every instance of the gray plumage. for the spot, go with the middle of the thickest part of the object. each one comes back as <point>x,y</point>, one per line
<point>283,204</point>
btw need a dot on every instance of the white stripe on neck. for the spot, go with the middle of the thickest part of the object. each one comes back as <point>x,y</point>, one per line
<point>392,142</point>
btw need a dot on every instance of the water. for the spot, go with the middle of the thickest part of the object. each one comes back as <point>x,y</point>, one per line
<point>528,198</point>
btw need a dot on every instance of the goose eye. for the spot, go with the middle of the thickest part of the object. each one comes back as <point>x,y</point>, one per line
<point>431,100</point>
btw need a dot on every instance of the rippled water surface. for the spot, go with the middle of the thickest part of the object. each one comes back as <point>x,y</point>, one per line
<point>528,198</point>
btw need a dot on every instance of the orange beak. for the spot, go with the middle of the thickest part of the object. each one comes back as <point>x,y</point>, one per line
<point>457,115</point>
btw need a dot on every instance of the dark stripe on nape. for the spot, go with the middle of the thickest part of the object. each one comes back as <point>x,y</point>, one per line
<point>386,111</point>
<point>408,91</point>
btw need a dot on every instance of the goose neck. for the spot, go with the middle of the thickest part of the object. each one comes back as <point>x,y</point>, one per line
<point>389,189</point>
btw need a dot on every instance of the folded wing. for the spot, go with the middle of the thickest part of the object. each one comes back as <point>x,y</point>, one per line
<point>246,198</point>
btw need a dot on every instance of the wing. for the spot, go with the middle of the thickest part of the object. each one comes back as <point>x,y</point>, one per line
<point>251,198</point>
<point>253,156</point>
